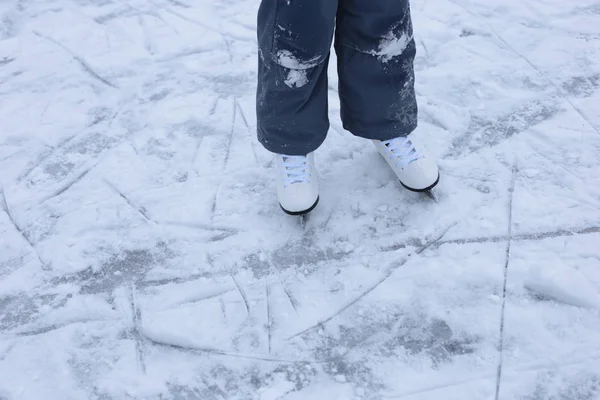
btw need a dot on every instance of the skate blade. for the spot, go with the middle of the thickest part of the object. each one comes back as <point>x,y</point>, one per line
<point>303,219</point>
<point>431,195</point>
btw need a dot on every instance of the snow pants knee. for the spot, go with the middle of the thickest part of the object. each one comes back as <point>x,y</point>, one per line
<point>375,52</point>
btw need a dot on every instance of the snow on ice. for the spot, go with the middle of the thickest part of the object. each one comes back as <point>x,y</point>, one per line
<point>143,255</point>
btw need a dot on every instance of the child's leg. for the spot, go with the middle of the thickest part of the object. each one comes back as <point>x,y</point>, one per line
<point>375,48</point>
<point>294,40</point>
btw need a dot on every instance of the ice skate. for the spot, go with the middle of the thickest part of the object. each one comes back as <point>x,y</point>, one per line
<point>415,170</point>
<point>297,184</point>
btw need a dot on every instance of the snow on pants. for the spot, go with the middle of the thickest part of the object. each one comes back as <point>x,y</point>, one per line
<point>375,51</point>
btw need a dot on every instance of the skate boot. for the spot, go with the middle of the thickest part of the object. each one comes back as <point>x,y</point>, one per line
<point>297,184</point>
<point>416,171</point>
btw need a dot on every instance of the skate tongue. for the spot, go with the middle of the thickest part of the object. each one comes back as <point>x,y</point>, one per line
<point>295,169</point>
<point>403,149</point>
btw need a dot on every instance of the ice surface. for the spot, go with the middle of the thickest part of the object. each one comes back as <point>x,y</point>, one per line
<point>143,255</point>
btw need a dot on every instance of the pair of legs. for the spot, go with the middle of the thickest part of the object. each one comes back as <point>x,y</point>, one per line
<point>375,49</point>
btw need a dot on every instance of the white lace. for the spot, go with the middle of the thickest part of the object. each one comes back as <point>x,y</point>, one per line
<point>296,169</point>
<point>402,150</point>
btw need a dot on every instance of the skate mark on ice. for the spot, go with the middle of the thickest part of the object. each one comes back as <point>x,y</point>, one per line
<point>216,352</point>
<point>7,79</point>
<point>271,267</point>
<point>532,236</point>
<point>390,270</point>
<point>242,114</point>
<point>152,13</point>
<point>228,49</point>
<point>269,316</point>
<point>522,237</point>
<point>169,281</point>
<point>253,148</point>
<point>141,210</point>
<point>84,65</point>
<point>42,330</point>
<point>559,90</point>
<point>223,309</point>
<point>209,28</point>
<point>68,185</point>
<point>291,297</point>
<point>6,351</point>
<point>100,115</point>
<point>193,21</point>
<point>136,314</point>
<point>412,242</point>
<point>242,293</point>
<point>148,45</point>
<point>193,300</point>
<point>231,131</point>
<point>213,207</point>
<point>554,162</point>
<point>14,153</point>
<point>6,60</point>
<point>178,3</point>
<point>433,388</point>
<point>221,236</point>
<point>222,232</point>
<point>213,108</point>
<point>182,54</point>
<point>517,372</point>
<point>195,157</point>
<point>103,19</point>
<point>488,133</point>
<point>160,95</point>
<point>24,235</point>
<point>57,164</point>
<point>505,281</point>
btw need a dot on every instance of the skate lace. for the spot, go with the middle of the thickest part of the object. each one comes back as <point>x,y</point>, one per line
<point>402,150</point>
<point>296,169</point>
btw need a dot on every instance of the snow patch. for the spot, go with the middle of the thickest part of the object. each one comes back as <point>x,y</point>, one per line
<point>296,78</point>
<point>287,59</point>
<point>392,46</point>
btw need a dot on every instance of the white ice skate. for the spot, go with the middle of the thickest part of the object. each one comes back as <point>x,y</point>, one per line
<point>297,184</point>
<point>416,171</point>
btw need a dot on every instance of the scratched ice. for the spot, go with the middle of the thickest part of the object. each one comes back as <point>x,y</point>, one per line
<point>143,255</point>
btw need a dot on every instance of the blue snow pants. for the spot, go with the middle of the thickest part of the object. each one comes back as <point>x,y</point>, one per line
<point>375,52</point>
